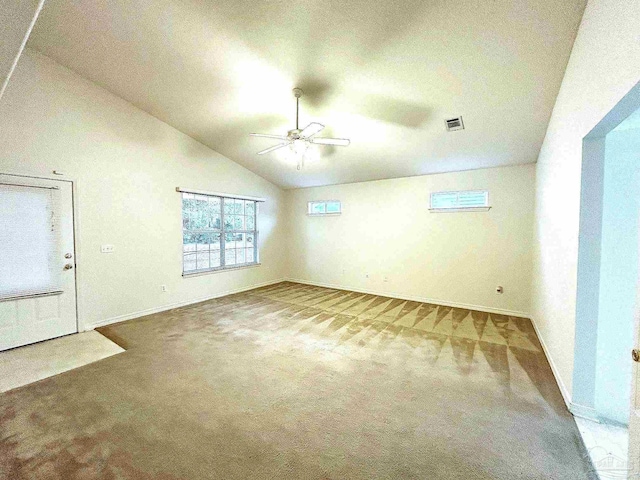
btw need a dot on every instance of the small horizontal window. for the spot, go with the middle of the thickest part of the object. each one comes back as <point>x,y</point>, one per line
<point>324,207</point>
<point>465,200</point>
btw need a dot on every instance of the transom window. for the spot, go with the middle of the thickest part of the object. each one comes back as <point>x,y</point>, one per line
<point>218,232</point>
<point>460,201</point>
<point>324,207</point>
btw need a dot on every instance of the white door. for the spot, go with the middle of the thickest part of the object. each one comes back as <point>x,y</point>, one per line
<point>37,260</point>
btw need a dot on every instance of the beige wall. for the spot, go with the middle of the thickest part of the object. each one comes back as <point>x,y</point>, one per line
<point>604,66</point>
<point>17,17</point>
<point>127,165</point>
<point>387,230</point>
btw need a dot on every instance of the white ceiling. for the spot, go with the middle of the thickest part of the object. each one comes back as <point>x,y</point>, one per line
<point>383,73</point>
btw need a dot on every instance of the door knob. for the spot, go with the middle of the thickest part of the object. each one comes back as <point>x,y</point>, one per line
<point>635,354</point>
<point>68,266</point>
<point>67,255</point>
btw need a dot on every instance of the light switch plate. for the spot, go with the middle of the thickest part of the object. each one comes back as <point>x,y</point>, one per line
<point>106,248</point>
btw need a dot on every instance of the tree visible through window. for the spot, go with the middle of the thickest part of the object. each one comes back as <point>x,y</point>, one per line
<point>218,232</point>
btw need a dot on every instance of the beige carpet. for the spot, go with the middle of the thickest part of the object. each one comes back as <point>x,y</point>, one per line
<point>300,382</point>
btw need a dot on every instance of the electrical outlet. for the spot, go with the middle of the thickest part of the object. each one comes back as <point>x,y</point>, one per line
<point>163,288</point>
<point>499,289</point>
<point>106,248</point>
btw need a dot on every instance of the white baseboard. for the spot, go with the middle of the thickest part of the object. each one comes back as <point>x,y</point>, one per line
<point>171,306</point>
<point>556,373</point>
<point>581,411</point>
<point>446,303</point>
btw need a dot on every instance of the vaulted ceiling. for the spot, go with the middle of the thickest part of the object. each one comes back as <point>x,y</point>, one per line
<point>384,74</point>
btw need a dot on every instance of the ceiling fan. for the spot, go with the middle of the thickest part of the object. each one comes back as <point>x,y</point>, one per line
<point>298,140</point>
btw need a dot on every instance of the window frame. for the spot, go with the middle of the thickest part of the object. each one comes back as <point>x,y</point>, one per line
<point>223,232</point>
<point>457,208</point>
<point>325,213</point>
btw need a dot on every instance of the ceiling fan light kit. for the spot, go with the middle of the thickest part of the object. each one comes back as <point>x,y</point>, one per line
<point>300,141</point>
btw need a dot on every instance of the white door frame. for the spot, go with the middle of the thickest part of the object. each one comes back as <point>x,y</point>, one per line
<point>76,253</point>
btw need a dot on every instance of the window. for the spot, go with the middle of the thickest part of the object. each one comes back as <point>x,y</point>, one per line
<point>324,207</point>
<point>460,201</point>
<point>31,241</point>
<point>218,232</point>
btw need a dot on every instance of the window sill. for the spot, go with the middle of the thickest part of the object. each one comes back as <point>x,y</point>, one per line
<point>324,214</point>
<point>453,210</point>
<point>219,270</point>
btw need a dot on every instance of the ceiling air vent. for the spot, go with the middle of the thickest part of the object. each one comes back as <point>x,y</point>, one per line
<point>454,124</point>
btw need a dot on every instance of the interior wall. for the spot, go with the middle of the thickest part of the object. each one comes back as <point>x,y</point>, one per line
<point>17,18</point>
<point>387,242</point>
<point>604,66</point>
<point>618,275</point>
<point>127,165</point>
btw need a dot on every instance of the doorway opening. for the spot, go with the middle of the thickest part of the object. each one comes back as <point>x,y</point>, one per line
<point>608,283</point>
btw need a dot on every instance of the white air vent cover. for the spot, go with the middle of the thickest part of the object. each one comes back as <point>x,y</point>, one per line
<point>454,124</point>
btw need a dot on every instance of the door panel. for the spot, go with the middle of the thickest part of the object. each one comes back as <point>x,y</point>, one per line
<point>37,292</point>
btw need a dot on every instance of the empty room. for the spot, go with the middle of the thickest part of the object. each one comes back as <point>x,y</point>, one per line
<point>338,240</point>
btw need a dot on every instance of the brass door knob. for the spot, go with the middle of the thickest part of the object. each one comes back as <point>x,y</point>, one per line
<point>635,354</point>
<point>68,266</point>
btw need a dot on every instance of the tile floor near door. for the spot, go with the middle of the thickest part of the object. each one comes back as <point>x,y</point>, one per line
<point>293,381</point>
<point>28,364</point>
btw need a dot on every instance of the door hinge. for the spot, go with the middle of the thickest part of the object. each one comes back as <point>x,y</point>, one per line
<point>635,354</point>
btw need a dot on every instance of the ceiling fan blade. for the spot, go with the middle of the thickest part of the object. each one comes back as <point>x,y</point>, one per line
<point>279,137</point>
<point>311,130</point>
<point>339,142</point>
<point>275,147</point>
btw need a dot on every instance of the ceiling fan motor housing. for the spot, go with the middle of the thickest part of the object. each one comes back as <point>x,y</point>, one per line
<point>294,134</point>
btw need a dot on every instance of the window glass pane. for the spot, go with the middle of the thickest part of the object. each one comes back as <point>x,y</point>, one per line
<point>189,261</point>
<point>186,213</point>
<point>317,207</point>
<point>238,222</point>
<point>333,207</point>
<point>215,241</point>
<point>240,255</point>
<point>214,203</point>
<point>251,224</point>
<point>229,206</point>
<point>189,242</point>
<point>472,199</point>
<point>214,258</point>
<point>230,257</point>
<point>239,207</point>
<point>203,260</point>
<point>203,240</point>
<point>241,240</point>
<point>228,222</point>
<point>250,208</point>
<point>231,239</point>
<point>444,200</point>
<point>250,255</point>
